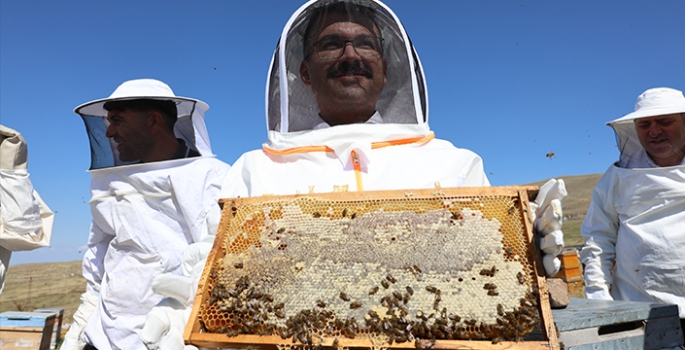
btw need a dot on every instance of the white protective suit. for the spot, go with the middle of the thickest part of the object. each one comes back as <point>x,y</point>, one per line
<point>395,150</point>
<point>144,217</point>
<point>25,220</point>
<point>634,229</point>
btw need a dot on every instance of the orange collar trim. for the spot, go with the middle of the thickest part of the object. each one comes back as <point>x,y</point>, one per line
<point>374,145</point>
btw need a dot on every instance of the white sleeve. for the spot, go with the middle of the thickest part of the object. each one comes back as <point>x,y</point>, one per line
<point>476,173</point>
<point>93,260</point>
<point>25,220</point>
<point>600,230</point>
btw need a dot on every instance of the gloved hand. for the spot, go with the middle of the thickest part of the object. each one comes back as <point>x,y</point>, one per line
<point>13,150</point>
<point>72,340</point>
<point>164,325</point>
<point>547,220</point>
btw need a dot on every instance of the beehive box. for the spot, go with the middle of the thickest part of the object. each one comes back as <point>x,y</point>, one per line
<point>439,268</point>
<point>25,330</point>
<point>57,327</point>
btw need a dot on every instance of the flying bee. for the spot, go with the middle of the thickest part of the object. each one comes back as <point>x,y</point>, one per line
<point>373,290</point>
<point>550,155</point>
<point>344,296</point>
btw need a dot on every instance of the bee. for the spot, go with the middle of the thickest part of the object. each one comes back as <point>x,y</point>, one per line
<point>233,333</point>
<point>354,215</point>
<point>344,212</point>
<point>431,288</point>
<point>390,278</point>
<point>316,214</point>
<point>355,305</point>
<point>520,278</point>
<point>385,284</point>
<point>493,292</point>
<point>320,303</point>
<point>335,343</point>
<point>500,309</point>
<point>344,296</point>
<point>454,317</point>
<point>511,210</point>
<point>417,269</point>
<point>489,286</point>
<point>213,274</point>
<point>373,290</point>
<point>281,230</point>
<point>238,265</point>
<point>406,298</point>
<point>550,155</point>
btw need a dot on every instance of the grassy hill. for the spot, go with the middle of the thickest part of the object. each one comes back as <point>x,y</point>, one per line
<point>59,285</point>
<point>48,285</point>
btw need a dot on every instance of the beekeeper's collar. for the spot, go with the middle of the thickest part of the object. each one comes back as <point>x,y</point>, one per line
<point>190,125</point>
<point>292,110</point>
<point>651,103</point>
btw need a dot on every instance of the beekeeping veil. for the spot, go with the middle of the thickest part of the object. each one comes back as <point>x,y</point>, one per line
<point>292,110</point>
<point>651,103</point>
<point>190,125</point>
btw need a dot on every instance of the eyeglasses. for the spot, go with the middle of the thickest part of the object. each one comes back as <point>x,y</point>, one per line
<point>332,47</point>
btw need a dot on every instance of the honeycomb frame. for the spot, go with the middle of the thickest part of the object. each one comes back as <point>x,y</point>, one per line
<point>544,337</point>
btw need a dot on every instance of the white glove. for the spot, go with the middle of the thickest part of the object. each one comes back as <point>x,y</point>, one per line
<point>547,221</point>
<point>72,340</point>
<point>602,294</point>
<point>164,325</point>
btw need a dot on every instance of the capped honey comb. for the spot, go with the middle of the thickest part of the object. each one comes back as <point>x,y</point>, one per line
<point>315,270</point>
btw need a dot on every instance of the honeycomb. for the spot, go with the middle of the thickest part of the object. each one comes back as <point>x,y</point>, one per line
<point>387,270</point>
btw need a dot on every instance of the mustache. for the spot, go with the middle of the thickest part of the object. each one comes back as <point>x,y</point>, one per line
<point>349,69</point>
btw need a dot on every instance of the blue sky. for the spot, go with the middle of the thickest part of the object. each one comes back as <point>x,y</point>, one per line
<point>510,80</point>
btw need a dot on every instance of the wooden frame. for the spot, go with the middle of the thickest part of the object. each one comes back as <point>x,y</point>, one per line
<point>194,334</point>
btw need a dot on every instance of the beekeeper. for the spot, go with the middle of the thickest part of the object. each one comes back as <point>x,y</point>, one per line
<point>634,230</point>
<point>155,185</point>
<point>25,220</point>
<point>347,110</point>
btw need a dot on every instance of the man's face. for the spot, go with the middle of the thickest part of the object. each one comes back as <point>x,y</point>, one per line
<point>130,130</point>
<point>663,137</point>
<point>346,88</point>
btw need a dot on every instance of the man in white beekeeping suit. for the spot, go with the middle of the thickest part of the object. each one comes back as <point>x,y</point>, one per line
<point>347,110</point>
<point>25,220</point>
<point>634,230</point>
<point>155,185</point>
